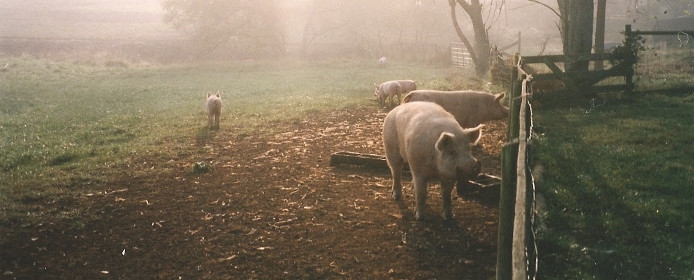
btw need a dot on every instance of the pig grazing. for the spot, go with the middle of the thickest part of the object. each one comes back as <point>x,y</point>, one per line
<point>213,105</point>
<point>470,108</point>
<point>407,85</point>
<point>427,137</point>
<point>388,89</point>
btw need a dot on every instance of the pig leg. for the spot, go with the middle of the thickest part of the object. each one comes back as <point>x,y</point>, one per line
<point>420,193</point>
<point>396,171</point>
<point>446,189</point>
<point>216,121</point>
<point>209,120</point>
<point>395,160</point>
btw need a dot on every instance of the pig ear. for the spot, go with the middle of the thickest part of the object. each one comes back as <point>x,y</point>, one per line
<point>445,140</point>
<point>499,97</point>
<point>217,94</point>
<point>475,132</point>
<point>208,94</point>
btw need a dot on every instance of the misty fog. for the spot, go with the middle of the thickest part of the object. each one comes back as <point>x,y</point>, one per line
<point>363,28</point>
<point>413,29</point>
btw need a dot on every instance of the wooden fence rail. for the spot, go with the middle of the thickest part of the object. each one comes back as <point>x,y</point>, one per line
<point>583,82</point>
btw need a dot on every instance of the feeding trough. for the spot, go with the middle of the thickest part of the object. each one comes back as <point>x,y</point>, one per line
<point>378,162</point>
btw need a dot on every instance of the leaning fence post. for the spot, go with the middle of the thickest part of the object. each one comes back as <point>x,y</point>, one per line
<point>507,198</point>
<point>521,212</point>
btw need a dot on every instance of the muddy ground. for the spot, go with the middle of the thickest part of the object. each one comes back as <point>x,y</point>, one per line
<point>272,207</point>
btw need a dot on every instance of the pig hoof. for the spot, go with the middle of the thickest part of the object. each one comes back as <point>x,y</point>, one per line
<point>397,196</point>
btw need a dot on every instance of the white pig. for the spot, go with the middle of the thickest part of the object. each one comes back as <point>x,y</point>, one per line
<point>389,90</point>
<point>427,137</point>
<point>213,105</point>
<point>382,61</point>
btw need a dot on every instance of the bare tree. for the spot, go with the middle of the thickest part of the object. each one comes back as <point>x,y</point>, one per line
<point>577,31</point>
<point>238,24</point>
<point>479,52</point>
<point>324,18</point>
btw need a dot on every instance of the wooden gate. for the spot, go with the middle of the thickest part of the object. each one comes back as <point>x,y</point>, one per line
<point>459,55</point>
<point>588,83</point>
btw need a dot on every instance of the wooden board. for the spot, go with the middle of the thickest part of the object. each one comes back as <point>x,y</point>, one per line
<point>378,162</point>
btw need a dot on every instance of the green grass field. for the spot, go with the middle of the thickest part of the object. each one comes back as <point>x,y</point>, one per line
<point>617,189</point>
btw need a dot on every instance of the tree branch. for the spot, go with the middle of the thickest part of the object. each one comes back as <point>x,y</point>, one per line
<point>546,6</point>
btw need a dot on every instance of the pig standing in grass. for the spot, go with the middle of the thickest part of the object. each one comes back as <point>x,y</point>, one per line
<point>427,137</point>
<point>213,105</point>
<point>382,61</point>
<point>470,108</point>
<point>389,90</point>
<point>407,85</point>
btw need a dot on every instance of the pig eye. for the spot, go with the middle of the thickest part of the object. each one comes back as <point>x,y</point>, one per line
<point>453,153</point>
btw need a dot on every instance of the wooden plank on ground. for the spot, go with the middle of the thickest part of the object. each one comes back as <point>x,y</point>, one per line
<point>378,162</point>
<point>352,158</point>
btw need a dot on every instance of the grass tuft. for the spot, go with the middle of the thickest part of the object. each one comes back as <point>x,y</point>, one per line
<point>63,158</point>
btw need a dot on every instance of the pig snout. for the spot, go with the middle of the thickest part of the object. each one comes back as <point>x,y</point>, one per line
<point>469,171</point>
<point>463,184</point>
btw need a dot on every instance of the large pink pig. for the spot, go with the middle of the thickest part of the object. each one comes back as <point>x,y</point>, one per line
<point>427,137</point>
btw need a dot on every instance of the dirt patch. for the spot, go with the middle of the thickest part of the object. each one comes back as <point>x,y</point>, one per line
<point>271,207</point>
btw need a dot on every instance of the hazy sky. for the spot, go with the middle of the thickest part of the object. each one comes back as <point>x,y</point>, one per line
<point>142,19</point>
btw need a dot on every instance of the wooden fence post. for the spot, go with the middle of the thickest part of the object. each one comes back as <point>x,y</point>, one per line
<point>521,220</point>
<point>631,64</point>
<point>507,199</point>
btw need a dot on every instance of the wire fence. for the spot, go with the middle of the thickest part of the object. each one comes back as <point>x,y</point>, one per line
<point>666,63</point>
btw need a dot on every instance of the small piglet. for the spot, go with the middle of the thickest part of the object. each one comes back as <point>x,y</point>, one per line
<point>213,105</point>
<point>427,137</point>
<point>470,108</point>
<point>388,90</point>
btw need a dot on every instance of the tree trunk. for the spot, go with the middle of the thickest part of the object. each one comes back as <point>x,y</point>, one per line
<point>577,31</point>
<point>480,51</point>
<point>482,47</point>
<point>600,32</point>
